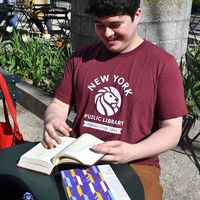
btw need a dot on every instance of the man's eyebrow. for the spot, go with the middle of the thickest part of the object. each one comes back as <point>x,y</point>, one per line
<point>97,21</point>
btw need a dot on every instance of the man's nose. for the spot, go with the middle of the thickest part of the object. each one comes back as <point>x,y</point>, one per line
<point>108,32</point>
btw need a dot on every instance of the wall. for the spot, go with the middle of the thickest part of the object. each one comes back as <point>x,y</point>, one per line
<point>164,22</point>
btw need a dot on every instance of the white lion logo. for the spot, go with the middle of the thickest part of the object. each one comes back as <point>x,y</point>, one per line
<point>108,101</point>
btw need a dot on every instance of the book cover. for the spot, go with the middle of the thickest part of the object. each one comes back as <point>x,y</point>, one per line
<point>95,182</point>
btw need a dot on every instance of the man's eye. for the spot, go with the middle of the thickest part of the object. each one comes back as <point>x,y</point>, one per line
<point>114,26</point>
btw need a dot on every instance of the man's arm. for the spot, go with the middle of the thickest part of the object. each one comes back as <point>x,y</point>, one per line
<point>165,138</point>
<point>55,120</point>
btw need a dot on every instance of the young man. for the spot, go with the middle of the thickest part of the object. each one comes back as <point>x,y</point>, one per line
<point>126,91</point>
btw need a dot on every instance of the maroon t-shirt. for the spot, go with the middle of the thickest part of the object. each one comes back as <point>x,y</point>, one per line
<point>122,96</point>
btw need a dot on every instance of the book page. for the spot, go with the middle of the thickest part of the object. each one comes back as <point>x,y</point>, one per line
<point>80,150</point>
<point>39,154</point>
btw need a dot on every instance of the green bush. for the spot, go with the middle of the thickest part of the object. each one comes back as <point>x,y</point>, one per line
<point>35,59</point>
<point>191,77</point>
<point>195,5</point>
<point>196,2</point>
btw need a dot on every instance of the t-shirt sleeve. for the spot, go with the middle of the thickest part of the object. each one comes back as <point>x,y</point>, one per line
<point>171,101</point>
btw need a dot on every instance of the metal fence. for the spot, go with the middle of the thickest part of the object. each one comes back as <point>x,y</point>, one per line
<point>36,17</point>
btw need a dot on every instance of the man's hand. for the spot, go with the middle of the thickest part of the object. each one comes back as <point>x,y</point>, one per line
<point>117,152</point>
<point>52,129</point>
<point>54,122</point>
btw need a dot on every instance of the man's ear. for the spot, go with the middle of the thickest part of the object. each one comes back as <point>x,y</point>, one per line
<point>138,15</point>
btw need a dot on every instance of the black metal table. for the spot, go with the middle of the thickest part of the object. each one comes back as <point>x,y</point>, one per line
<point>50,187</point>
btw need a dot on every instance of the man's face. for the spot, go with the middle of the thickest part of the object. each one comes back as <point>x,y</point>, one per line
<point>118,33</point>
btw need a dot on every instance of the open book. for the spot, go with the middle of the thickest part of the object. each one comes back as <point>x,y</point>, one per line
<point>71,150</point>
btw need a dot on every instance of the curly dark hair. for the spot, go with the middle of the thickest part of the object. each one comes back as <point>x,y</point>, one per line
<point>103,8</point>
